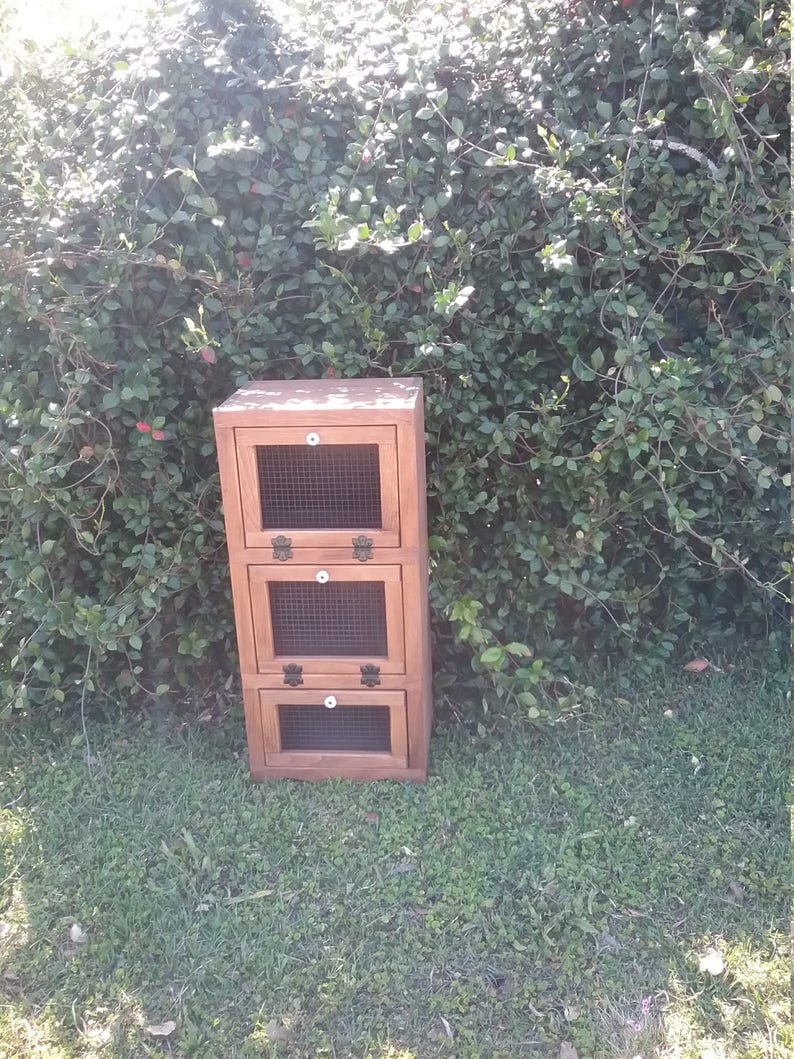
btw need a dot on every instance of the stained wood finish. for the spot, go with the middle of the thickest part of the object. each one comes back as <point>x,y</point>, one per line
<point>389,414</point>
<point>270,700</point>
<point>322,556</point>
<point>327,772</point>
<point>387,682</point>
<point>380,399</point>
<point>247,440</point>
<point>267,661</point>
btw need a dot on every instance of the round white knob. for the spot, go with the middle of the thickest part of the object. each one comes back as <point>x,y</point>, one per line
<point>312,439</point>
<point>322,576</point>
<point>329,702</point>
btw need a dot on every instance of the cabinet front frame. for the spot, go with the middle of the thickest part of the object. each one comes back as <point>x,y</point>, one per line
<point>267,661</point>
<point>248,439</point>
<point>271,699</point>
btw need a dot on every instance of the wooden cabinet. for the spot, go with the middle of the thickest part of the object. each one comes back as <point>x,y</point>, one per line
<point>324,500</point>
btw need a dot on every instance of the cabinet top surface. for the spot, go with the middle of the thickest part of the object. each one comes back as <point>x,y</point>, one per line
<point>324,395</point>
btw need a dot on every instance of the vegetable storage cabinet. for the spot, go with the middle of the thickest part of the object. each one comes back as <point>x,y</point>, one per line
<point>323,487</point>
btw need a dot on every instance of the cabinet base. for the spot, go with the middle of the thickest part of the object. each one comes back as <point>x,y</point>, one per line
<point>272,772</point>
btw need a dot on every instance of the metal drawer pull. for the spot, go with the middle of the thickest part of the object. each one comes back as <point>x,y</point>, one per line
<point>370,676</point>
<point>312,439</point>
<point>329,702</point>
<point>322,577</point>
<point>282,548</point>
<point>362,548</point>
<point>293,675</point>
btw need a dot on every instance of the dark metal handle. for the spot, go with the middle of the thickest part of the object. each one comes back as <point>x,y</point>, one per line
<point>370,676</point>
<point>293,675</point>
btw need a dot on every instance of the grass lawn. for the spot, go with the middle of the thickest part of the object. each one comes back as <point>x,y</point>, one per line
<point>548,893</point>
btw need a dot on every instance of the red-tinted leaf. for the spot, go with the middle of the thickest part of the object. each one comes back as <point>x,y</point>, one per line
<point>143,427</point>
<point>371,818</point>
<point>697,665</point>
<point>208,354</point>
<point>366,156</point>
<point>158,435</point>
<point>243,260</point>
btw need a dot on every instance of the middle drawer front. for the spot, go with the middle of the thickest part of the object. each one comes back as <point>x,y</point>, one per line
<point>331,619</point>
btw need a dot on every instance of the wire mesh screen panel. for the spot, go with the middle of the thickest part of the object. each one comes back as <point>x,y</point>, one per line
<point>319,487</point>
<point>343,728</point>
<point>339,618</point>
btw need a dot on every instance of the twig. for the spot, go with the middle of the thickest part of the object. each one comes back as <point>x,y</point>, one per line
<point>690,152</point>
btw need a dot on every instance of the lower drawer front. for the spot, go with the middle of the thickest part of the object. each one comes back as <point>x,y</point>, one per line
<point>334,728</point>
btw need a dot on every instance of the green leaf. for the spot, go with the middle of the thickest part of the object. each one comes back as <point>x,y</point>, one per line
<point>301,151</point>
<point>581,370</point>
<point>492,656</point>
<point>47,546</point>
<point>415,231</point>
<point>604,109</point>
<point>518,649</point>
<point>755,433</point>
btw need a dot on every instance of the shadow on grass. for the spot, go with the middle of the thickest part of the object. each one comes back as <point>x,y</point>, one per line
<point>543,887</point>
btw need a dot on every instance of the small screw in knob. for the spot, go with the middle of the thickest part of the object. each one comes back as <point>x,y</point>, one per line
<point>322,576</point>
<point>329,702</point>
<point>312,439</point>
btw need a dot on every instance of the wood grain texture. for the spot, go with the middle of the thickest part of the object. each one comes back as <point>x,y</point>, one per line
<point>243,617</point>
<point>364,775</point>
<point>231,492</point>
<point>271,699</point>
<point>268,661</point>
<point>323,556</point>
<point>253,731</point>
<point>248,439</point>
<point>388,413</point>
<point>383,397</point>
<point>324,681</point>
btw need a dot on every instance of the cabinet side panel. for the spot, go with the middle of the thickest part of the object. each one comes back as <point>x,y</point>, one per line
<point>253,730</point>
<point>413,504</point>
<point>230,485</point>
<point>424,568</point>
<point>244,618</point>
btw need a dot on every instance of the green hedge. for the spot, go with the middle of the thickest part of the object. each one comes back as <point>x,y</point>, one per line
<point>570,219</point>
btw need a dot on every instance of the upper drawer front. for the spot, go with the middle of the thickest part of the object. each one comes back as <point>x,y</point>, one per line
<point>319,487</point>
<point>343,619</point>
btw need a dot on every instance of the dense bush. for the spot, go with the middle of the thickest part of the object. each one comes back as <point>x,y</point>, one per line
<point>569,218</point>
